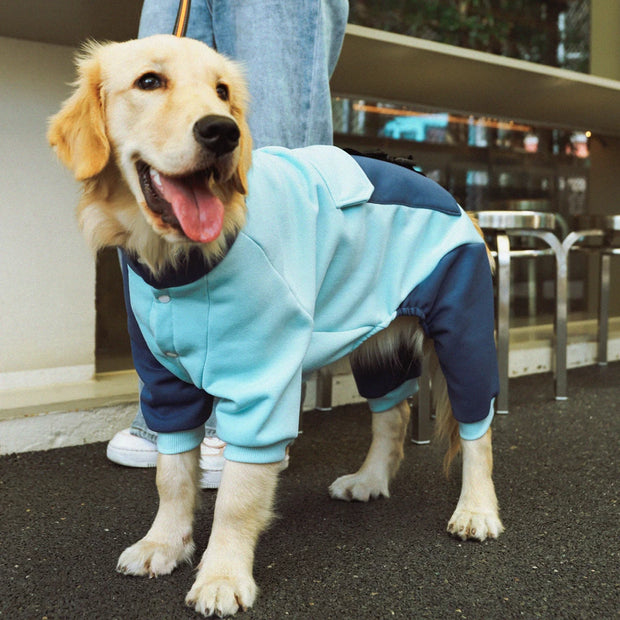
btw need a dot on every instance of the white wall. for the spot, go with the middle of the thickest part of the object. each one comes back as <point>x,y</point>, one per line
<point>47,274</point>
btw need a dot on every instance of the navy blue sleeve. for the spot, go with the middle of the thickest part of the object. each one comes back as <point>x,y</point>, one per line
<point>168,403</point>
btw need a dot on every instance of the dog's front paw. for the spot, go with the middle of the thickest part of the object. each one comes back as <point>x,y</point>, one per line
<point>152,558</point>
<point>476,525</point>
<point>359,487</point>
<point>222,595</point>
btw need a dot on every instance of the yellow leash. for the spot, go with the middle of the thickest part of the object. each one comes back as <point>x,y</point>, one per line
<point>180,26</point>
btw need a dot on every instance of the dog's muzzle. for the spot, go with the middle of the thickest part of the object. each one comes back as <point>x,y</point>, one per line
<point>187,202</point>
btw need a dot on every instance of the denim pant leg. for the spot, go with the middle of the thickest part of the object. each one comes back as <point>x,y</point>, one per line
<point>289,50</point>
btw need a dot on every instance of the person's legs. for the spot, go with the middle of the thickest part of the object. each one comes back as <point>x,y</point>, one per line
<point>289,50</point>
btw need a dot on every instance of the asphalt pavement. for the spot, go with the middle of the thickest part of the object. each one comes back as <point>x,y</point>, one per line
<point>66,514</point>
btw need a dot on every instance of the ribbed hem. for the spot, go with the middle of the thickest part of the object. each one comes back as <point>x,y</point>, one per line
<point>180,441</point>
<point>475,430</point>
<point>270,454</point>
<point>393,398</point>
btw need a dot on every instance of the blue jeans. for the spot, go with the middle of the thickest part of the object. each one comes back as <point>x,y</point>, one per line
<point>288,48</point>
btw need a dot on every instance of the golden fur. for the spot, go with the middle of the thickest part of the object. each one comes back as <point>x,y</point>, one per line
<point>108,124</point>
<point>138,102</point>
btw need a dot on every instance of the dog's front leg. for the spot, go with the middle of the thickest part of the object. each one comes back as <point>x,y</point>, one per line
<point>243,509</point>
<point>477,514</point>
<point>169,541</point>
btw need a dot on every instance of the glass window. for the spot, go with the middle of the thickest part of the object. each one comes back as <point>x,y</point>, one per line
<point>551,32</point>
<point>488,164</point>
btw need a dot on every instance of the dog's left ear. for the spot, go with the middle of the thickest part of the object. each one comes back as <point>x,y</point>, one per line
<point>77,132</point>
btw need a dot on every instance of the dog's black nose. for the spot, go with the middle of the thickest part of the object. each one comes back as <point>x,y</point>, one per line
<point>219,134</point>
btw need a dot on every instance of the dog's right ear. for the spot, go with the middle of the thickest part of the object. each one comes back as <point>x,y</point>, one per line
<point>77,132</point>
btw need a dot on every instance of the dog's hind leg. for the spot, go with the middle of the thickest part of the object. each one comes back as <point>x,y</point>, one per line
<point>477,514</point>
<point>396,347</point>
<point>169,541</point>
<point>382,461</point>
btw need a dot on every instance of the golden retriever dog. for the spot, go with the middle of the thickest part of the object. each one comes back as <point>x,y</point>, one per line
<point>156,133</point>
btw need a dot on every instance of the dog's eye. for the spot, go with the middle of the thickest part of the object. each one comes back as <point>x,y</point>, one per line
<point>222,92</point>
<point>150,81</point>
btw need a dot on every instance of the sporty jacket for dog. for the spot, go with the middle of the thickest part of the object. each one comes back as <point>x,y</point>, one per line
<point>333,250</point>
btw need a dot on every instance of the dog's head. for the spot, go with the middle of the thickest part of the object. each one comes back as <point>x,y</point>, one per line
<point>156,131</point>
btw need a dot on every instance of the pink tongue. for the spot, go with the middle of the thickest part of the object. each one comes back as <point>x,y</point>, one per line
<point>200,213</point>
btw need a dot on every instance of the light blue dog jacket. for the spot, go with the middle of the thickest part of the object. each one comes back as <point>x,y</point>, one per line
<point>334,249</point>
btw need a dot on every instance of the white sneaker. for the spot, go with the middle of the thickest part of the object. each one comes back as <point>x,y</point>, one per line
<point>131,451</point>
<point>211,462</point>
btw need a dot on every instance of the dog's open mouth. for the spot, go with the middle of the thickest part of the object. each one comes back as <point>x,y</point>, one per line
<point>186,203</point>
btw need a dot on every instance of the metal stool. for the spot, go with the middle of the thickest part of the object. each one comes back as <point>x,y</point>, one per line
<point>598,234</point>
<point>421,418</point>
<point>503,224</point>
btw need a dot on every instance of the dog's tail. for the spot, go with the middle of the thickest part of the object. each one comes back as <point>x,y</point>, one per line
<point>474,218</point>
<point>446,427</point>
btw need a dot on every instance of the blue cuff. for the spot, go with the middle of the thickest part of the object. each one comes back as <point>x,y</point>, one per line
<point>180,441</point>
<point>393,398</point>
<point>475,430</point>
